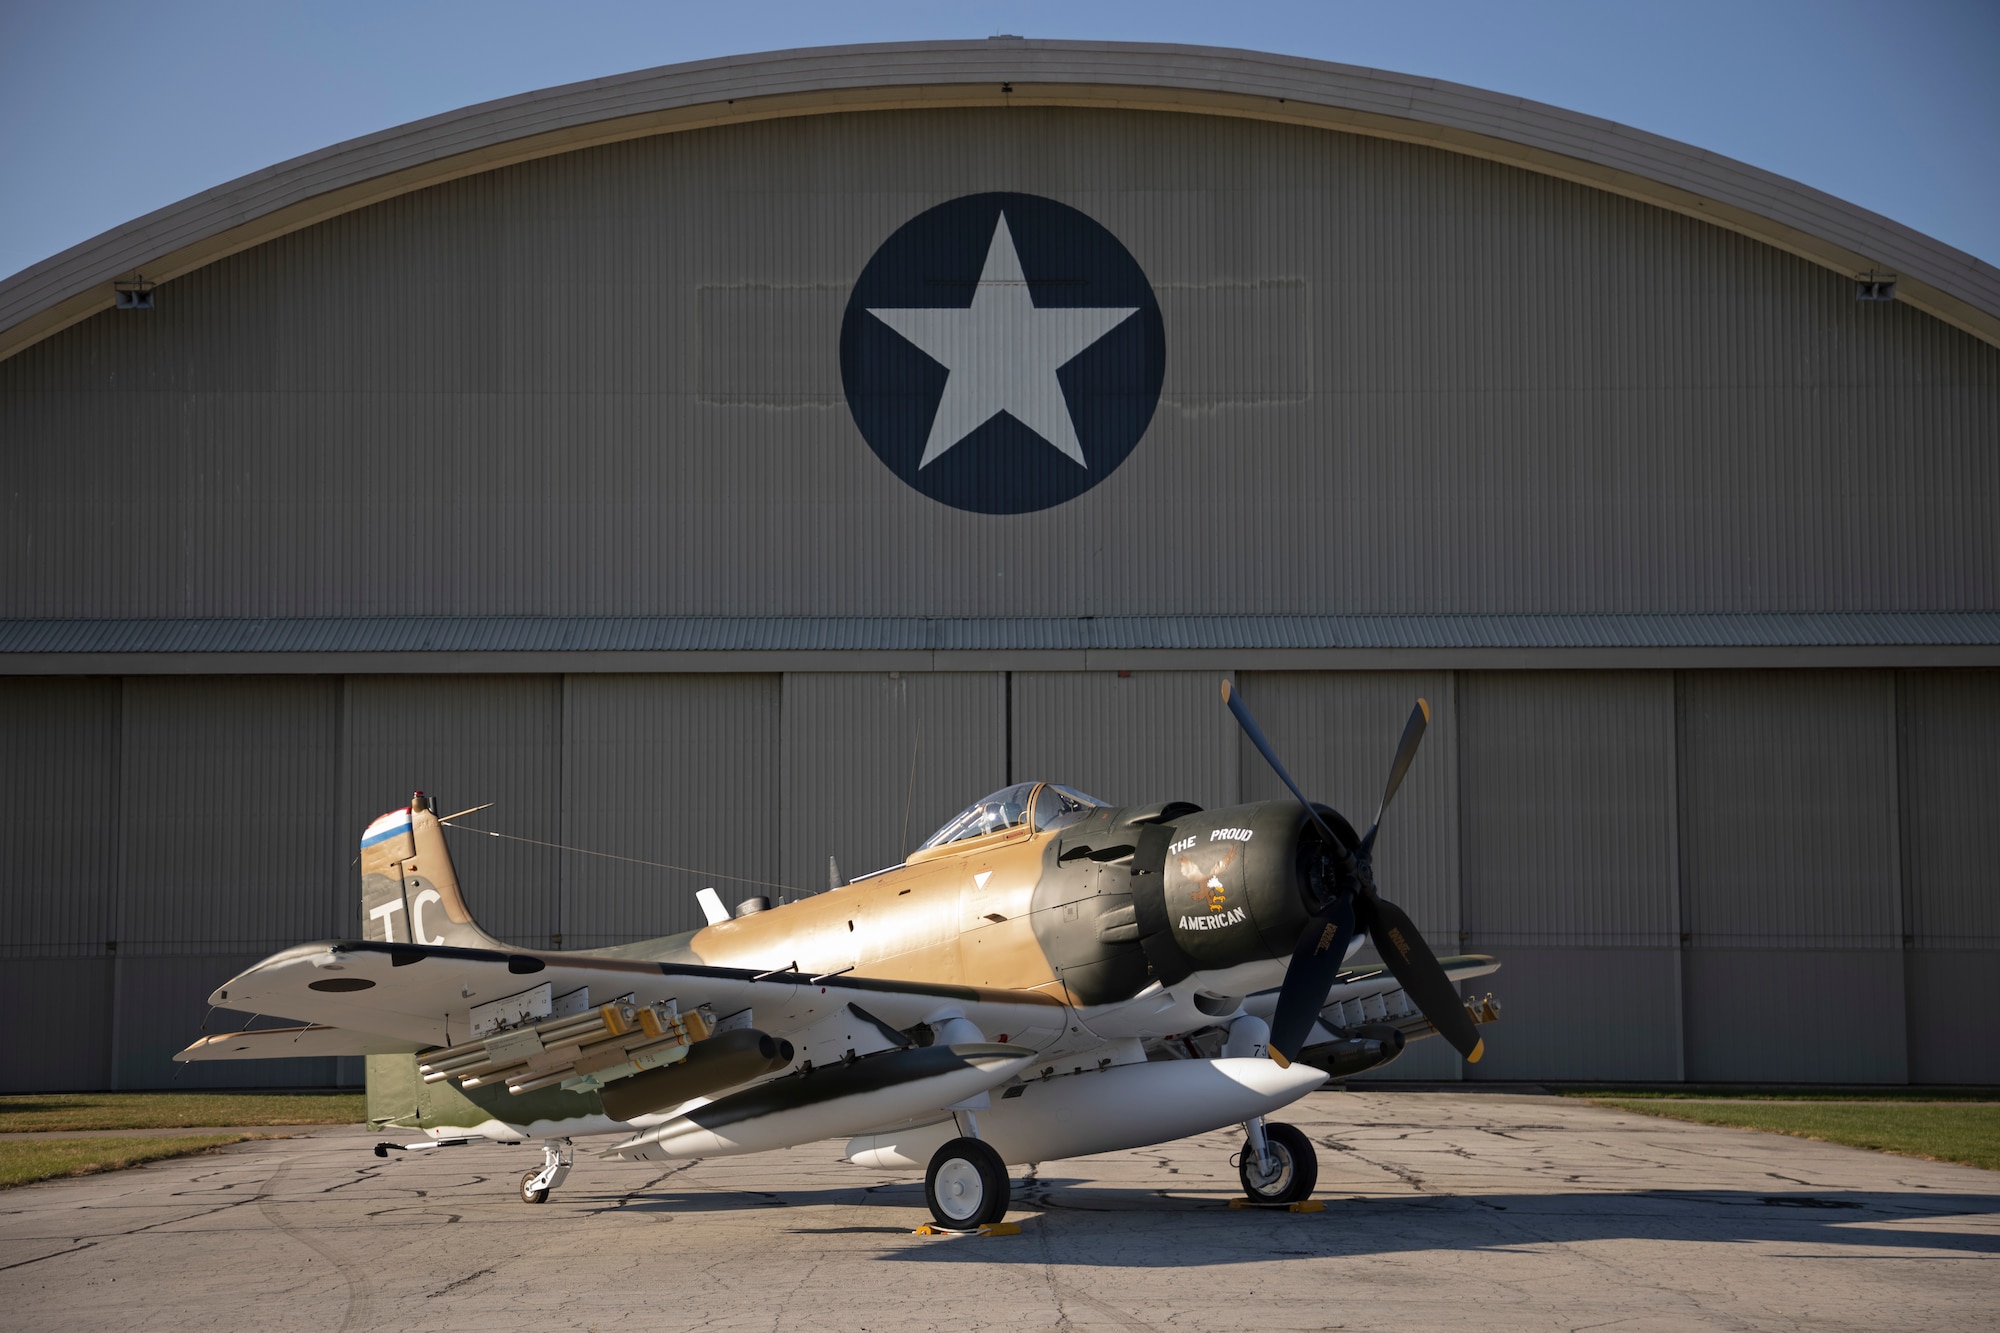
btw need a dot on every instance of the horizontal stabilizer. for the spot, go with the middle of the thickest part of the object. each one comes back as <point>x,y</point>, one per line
<point>291,1043</point>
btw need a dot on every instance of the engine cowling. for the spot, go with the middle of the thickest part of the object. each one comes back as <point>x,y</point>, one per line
<point>1220,888</point>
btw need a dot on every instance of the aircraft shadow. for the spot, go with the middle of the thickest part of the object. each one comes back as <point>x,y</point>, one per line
<point>698,1200</point>
<point>909,1194</point>
<point>1362,1227</point>
<point>1078,1212</point>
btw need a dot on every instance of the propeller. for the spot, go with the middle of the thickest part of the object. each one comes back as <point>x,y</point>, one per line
<point>1355,907</point>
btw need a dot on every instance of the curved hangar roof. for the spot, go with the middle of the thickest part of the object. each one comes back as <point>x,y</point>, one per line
<point>1943,282</point>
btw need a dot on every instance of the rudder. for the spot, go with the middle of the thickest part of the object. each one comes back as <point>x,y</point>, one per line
<point>409,890</point>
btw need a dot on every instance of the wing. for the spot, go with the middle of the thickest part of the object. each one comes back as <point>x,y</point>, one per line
<point>1371,993</point>
<point>1374,979</point>
<point>431,996</point>
<point>279,1043</point>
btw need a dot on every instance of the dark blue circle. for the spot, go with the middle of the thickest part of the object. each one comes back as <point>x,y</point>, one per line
<point>1003,467</point>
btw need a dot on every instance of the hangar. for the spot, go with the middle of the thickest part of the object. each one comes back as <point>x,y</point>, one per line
<point>595,454</point>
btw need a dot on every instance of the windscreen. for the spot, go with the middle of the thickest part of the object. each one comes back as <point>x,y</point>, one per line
<point>1048,804</point>
<point>1003,809</point>
<point>1057,806</point>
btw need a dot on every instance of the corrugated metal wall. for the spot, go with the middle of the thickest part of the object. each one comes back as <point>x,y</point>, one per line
<point>1788,784</point>
<point>676,769</point>
<point>875,761</point>
<point>58,817</point>
<point>1127,737</point>
<point>63,1009</point>
<point>227,841</point>
<point>1950,733</point>
<point>1727,876</point>
<point>1398,380</point>
<point>184,824</point>
<point>226,802</point>
<point>58,880</point>
<point>1789,876</point>
<point>1568,797</point>
<point>1566,802</point>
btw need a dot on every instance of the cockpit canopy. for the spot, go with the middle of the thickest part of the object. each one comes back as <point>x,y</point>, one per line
<point>1046,804</point>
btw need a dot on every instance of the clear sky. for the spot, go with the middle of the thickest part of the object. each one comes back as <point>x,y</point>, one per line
<point>112,108</point>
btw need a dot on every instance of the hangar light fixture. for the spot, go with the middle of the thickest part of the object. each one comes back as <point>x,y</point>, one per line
<point>134,295</point>
<point>1873,286</point>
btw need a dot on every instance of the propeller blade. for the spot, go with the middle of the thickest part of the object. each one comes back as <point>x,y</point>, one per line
<point>1256,735</point>
<point>1406,751</point>
<point>1315,964</point>
<point>1396,938</point>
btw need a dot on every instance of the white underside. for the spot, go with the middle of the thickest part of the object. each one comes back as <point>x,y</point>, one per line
<point>1125,1106</point>
<point>682,1137</point>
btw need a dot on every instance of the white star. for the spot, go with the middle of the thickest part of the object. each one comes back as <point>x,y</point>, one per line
<point>1003,354</point>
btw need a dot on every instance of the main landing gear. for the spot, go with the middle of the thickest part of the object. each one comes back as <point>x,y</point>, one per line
<point>557,1155</point>
<point>1278,1164</point>
<point>967,1185</point>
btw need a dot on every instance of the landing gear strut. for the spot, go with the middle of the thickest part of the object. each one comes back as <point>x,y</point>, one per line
<point>557,1155</point>
<point>1278,1164</point>
<point>967,1185</point>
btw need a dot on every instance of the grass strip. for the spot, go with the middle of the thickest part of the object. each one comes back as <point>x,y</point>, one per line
<point>1938,1131</point>
<point>1705,1093</point>
<point>24,1161</point>
<point>55,1112</point>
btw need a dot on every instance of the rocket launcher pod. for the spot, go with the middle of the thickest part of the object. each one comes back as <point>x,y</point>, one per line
<point>1363,1048</point>
<point>723,1061</point>
<point>831,1101</point>
<point>590,1049</point>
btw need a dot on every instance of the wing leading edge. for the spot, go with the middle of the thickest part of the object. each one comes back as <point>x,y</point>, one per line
<point>429,995</point>
<point>293,1043</point>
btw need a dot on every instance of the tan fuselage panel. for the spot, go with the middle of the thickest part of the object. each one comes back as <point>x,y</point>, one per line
<point>958,916</point>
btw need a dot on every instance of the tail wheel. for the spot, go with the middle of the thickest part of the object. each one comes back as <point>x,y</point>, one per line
<point>967,1185</point>
<point>529,1194</point>
<point>1293,1171</point>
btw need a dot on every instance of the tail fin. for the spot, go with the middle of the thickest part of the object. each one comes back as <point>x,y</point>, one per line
<point>409,891</point>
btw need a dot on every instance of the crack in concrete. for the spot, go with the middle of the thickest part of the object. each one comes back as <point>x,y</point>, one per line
<point>1034,1188</point>
<point>360,1294</point>
<point>454,1286</point>
<point>1112,1313</point>
<point>1403,1173</point>
<point>56,1255</point>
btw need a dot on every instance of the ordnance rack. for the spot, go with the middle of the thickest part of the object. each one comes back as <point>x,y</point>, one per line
<point>609,1042</point>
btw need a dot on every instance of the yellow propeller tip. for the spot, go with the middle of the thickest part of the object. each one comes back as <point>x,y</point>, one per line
<point>1425,705</point>
<point>1225,691</point>
<point>1279,1057</point>
<point>1477,1051</point>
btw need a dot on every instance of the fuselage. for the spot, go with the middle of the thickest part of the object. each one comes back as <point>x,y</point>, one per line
<point>1142,922</point>
<point>1091,913</point>
<point>962,915</point>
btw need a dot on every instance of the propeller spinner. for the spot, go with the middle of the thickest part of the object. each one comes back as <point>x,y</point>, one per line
<point>1354,907</point>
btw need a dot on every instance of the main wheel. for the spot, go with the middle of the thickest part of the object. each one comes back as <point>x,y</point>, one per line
<point>1294,1167</point>
<point>967,1185</point>
<point>528,1193</point>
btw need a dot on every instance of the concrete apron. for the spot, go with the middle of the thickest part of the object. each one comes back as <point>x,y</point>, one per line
<point>1444,1209</point>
